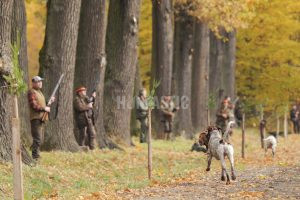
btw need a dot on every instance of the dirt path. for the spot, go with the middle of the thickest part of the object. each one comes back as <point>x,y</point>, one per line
<point>255,183</point>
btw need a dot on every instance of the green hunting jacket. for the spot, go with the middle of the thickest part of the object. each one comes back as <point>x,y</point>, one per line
<point>141,108</point>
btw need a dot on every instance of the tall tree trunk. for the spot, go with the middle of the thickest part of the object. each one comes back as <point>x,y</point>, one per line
<point>121,48</point>
<point>5,67</point>
<point>182,72</point>
<point>6,100</point>
<point>216,89</point>
<point>200,76</point>
<point>58,57</point>
<point>91,59</point>
<point>19,28</point>
<point>229,66</point>
<point>162,52</point>
<point>285,124</point>
<point>134,127</point>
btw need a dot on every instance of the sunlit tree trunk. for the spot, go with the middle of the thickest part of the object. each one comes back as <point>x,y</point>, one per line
<point>19,26</point>
<point>216,88</point>
<point>162,52</point>
<point>134,125</point>
<point>58,57</point>
<point>182,72</point>
<point>6,100</point>
<point>121,49</point>
<point>200,78</point>
<point>228,72</point>
<point>91,59</point>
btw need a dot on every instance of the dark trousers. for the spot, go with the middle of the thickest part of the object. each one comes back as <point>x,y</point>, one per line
<point>144,129</point>
<point>87,135</point>
<point>37,137</point>
<point>296,126</point>
<point>168,126</point>
<point>221,122</point>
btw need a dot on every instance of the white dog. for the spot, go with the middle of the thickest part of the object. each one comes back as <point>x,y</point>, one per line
<point>270,143</point>
<point>219,149</point>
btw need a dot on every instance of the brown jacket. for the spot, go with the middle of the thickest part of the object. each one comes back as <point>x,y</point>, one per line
<point>82,111</point>
<point>168,109</point>
<point>223,110</point>
<point>37,104</point>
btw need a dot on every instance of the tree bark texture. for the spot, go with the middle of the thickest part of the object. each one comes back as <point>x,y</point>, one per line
<point>5,67</point>
<point>216,87</point>
<point>182,72</point>
<point>134,124</point>
<point>228,72</point>
<point>5,36</point>
<point>19,26</point>
<point>6,100</point>
<point>162,52</point>
<point>200,81</point>
<point>91,59</point>
<point>121,49</point>
<point>57,57</point>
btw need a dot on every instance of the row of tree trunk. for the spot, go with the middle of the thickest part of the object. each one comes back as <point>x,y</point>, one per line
<point>192,63</point>
<point>76,44</point>
<point>188,60</point>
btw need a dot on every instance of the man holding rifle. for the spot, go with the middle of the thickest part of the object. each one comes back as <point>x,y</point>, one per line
<point>85,117</point>
<point>38,108</point>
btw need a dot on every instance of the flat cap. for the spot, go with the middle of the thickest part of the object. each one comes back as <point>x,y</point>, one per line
<point>37,79</point>
<point>80,89</point>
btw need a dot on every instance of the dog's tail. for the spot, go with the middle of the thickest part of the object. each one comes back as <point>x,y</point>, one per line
<point>228,129</point>
<point>230,126</point>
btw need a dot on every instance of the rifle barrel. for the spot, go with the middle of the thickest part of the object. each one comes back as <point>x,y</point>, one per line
<point>55,89</point>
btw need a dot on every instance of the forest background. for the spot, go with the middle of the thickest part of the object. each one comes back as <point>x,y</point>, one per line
<point>265,62</point>
<point>268,52</point>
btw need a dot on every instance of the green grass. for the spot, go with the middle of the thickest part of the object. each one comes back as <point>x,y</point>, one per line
<point>69,175</point>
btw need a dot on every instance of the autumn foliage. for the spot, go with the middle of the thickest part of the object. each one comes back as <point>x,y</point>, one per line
<point>268,56</point>
<point>268,43</point>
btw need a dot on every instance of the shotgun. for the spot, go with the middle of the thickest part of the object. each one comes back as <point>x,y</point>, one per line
<point>235,101</point>
<point>52,95</point>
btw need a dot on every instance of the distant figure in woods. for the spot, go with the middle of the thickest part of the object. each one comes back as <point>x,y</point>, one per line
<point>238,109</point>
<point>38,107</point>
<point>294,114</point>
<point>168,110</point>
<point>225,113</point>
<point>85,117</point>
<point>142,113</point>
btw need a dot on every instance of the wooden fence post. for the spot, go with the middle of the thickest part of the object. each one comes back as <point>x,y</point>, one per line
<point>17,154</point>
<point>262,127</point>
<point>285,125</point>
<point>208,117</point>
<point>149,147</point>
<point>261,113</point>
<point>278,125</point>
<point>243,136</point>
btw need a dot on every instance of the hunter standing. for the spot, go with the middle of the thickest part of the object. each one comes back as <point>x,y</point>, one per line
<point>294,114</point>
<point>142,114</point>
<point>84,116</point>
<point>38,108</point>
<point>224,113</point>
<point>168,109</point>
